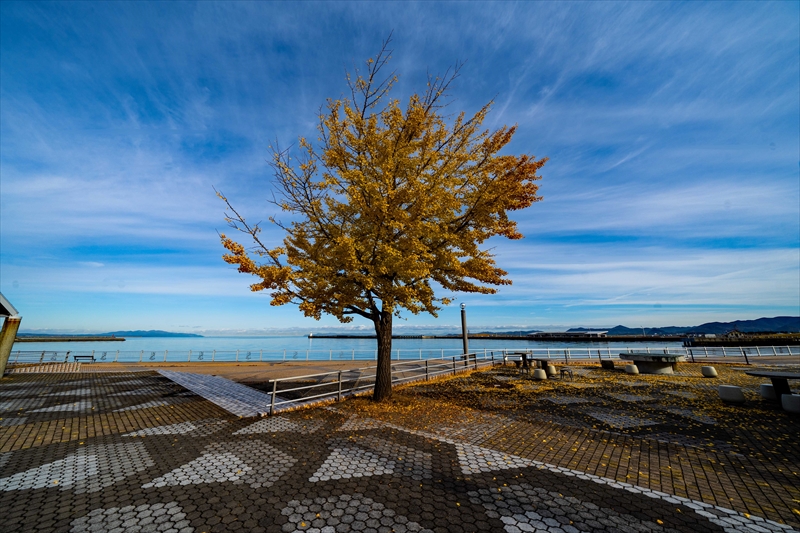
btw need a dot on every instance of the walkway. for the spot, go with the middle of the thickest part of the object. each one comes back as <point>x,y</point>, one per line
<point>493,451</point>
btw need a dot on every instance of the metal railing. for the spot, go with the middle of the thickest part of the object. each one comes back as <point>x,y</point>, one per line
<point>345,383</point>
<point>568,354</point>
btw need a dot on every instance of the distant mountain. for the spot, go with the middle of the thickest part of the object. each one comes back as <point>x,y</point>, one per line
<point>506,333</point>
<point>778,324</point>
<point>149,333</point>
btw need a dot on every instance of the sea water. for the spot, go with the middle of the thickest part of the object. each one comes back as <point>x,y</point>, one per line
<point>285,348</point>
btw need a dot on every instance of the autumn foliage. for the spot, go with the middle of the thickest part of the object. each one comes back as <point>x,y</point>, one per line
<point>388,204</point>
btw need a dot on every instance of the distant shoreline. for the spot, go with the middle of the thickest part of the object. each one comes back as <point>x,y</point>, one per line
<point>68,338</point>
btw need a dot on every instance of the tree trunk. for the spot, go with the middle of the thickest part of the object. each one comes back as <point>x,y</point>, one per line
<point>383,374</point>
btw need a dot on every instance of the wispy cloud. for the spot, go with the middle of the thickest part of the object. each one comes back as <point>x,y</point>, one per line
<point>672,132</point>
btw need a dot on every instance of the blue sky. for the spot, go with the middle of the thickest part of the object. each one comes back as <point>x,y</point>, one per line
<point>672,194</point>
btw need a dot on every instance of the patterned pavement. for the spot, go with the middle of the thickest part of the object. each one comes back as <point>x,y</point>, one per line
<point>138,452</point>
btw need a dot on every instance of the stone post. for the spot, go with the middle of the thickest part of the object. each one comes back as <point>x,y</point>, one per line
<point>7,337</point>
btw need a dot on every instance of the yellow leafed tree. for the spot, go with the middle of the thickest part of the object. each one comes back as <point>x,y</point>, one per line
<point>388,204</point>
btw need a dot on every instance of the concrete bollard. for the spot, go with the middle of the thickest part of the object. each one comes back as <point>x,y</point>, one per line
<point>731,393</point>
<point>767,391</point>
<point>631,369</point>
<point>539,374</point>
<point>708,371</point>
<point>791,402</point>
<point>550,370</point>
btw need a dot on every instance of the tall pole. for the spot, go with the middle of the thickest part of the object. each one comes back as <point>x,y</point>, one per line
<point>464,337</point>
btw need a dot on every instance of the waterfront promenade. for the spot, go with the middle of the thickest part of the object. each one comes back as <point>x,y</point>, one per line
<point>116,449</point>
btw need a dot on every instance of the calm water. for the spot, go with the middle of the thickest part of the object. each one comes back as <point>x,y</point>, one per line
<point>299,348</point>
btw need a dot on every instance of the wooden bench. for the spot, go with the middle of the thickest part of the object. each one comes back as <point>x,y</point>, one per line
<point>83,358</point>
<point>653,363</point>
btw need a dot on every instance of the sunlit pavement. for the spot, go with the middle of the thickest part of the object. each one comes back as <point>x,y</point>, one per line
<point>493,451</point>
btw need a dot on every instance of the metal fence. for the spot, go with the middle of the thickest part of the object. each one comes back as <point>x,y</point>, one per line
<point>302,391</point>
<point>568,354</point>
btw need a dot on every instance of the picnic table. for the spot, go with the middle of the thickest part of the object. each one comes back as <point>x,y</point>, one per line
<point>780,380</point>
<point>653,363</point>
<point>521,363</point>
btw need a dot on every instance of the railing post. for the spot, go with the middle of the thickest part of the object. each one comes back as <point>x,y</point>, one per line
<point>116,356</point>
<point>339,398</point>
<point>141,355</point>
<point>741,349</point>
<point>566,359</point>
<point>426,370</point>
<point>272,402</point>
<point>213,355</point>
<point>758,351</point>
<point>454,365</point>
<point>306,355</point>
<point>260,354</point>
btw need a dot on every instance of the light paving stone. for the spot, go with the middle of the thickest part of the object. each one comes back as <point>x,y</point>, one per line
<point>81,406</point>
<point>620,421</point>
<point>352,461</point>
<point>229,395</point>
<point>85,391</point>
<point>475,459</point>
<point>153,403</point>
<point>631,397</point>
<point>568,400</point>
<point>14,421</point>
<point>197,428</point>
<point>13,393</point>
<point>372,455</point>
<point>253,463</point>
<point>688,413</point>
<point>479,428</point>
<point>90,469</point>
<point>683,394</point>
<point>361,514</point>
<point>355,423</point>
<point>132,520</point>
<point>277,424</point>
<point>20,405</point>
